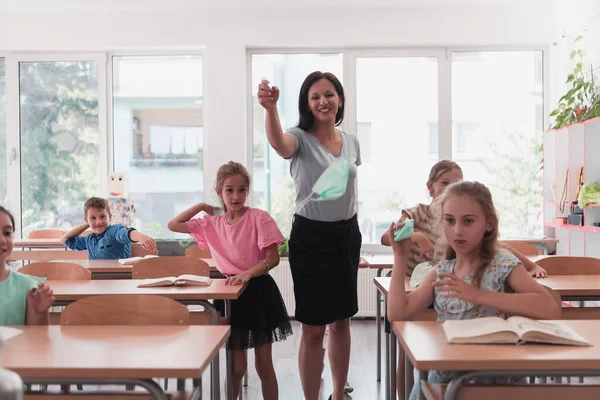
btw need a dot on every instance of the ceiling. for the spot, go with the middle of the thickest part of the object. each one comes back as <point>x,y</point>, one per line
<point>96,5</point>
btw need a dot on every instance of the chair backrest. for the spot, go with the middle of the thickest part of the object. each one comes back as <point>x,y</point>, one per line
<point>160,267</point>
<point>141,309</point>
<point>197,252</point>
<point>568,265</point>
<point>47,234</point>
<point>65,271</point>
<point>527,249</point>
<point>138,251</point>
<point>556,297</point>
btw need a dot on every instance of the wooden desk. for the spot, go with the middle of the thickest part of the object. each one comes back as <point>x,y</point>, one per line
<point>70,291</point>
<point>112,269</point>
<point>67,292</point>
<point>425,345</point>
<point>39,243</point>
<point>48,255</point>
<point>113,354</point>
<point>574,287</point>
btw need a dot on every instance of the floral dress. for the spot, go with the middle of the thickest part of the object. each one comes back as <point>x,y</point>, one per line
<point>493,279</point>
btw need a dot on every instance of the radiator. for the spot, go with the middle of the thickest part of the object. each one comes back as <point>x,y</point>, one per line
<point>366,289</point>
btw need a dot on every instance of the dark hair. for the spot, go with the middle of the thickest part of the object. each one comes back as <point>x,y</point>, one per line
<point>96,202</point>
<point>12,219</point>
<point>225,171</point>
<point>307,120</point>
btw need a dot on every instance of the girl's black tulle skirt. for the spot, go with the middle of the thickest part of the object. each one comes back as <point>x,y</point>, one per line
<point>258,316</point>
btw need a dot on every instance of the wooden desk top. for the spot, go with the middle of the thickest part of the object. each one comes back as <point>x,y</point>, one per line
<point>565,285</point>
<point>41,243</point>
<point>113,266</point>
<point>75,290</point>
<point>379,261</point>
<point>573,285</point>
<point>383,284</point>
<point>113,351</point>
<point>426,345</point>
<point>48,255</point>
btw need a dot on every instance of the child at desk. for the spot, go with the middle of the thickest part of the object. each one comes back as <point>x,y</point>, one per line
<point>24,300</point>
<point>244,242</point>
<point>106,242</point>
<point>469,282</point>
<point>421,257</point>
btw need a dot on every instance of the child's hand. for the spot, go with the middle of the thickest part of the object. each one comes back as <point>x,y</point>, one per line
<point>401,247</point>
<point>362,263</point>
<point>41,298</point>
<point>456,288</point>
<point>239,279</point>
<point>148,243</point>
<point>538,272</point>
<point>424,245</point>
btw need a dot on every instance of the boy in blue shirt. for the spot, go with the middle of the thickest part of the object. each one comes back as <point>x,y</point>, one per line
<point>106,242</point>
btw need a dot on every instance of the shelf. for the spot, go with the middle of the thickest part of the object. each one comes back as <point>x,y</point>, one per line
<point>593,229</point>
<point>554,203</point>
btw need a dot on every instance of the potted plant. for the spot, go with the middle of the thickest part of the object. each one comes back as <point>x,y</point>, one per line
<point>582,100</point>
<point>283,248</point>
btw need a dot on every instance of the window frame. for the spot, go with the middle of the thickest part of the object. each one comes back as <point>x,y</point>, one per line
<point>350,56</point>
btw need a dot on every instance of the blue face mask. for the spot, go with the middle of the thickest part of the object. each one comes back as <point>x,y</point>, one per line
<point>331,184</point>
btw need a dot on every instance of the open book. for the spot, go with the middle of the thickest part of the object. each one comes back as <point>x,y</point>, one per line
<point>133,260</point>
<point>181,280</point>
<point>514,330</point>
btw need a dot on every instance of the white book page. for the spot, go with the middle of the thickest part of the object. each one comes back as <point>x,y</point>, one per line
<point>524,325</point>
<point>475,327</point>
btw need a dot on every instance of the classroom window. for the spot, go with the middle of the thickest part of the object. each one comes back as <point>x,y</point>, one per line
<point>3,191</point>
<point>158,135</point>
<point>363,132</point>
<point>399,96</point>
<point>497,103</point>
<point>59,141</point>
<point>273,187</point>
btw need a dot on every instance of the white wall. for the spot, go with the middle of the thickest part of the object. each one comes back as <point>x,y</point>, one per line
<point>571,17</point>
<point>227,34</point>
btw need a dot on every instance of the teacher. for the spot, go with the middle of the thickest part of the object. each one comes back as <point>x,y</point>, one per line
<point>325,239</point>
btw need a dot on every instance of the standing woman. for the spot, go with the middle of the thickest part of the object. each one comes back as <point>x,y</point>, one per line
<point>325,240</point>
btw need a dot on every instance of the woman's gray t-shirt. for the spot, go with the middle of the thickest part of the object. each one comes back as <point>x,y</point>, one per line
<point>309,160</point>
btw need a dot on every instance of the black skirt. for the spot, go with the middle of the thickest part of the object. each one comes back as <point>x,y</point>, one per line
<point>324,260</point>
<point>258,316</point>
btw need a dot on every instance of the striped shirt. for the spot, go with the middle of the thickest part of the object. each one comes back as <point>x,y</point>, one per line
<point>424,223</point>
<point>114,243</point>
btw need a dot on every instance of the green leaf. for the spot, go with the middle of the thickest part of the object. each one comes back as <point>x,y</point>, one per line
<point>570,78</point>
<point>580,52</point>
<point>578,38</point>
<point>573,54</point>
<point>553,113</point>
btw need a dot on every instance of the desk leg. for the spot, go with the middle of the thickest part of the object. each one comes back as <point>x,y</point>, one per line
<point>152,387</point>
<point>423,378</point>
<point>229,358</point>
<point>408,377</point>
<point>378,319</point>
<point>393,346</point>
<point>387,363</point>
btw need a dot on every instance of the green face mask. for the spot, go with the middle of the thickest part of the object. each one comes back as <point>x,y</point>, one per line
<point>331,184</point>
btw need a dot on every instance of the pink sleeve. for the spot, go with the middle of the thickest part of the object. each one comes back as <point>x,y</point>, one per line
<point>197,228</point>
<point>268,232</point>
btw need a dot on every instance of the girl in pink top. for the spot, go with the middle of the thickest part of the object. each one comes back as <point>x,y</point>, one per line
<point>244,241</point>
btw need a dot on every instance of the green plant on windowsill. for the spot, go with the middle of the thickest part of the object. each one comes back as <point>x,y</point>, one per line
<point>283,248</point>
<point>582,100</point>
